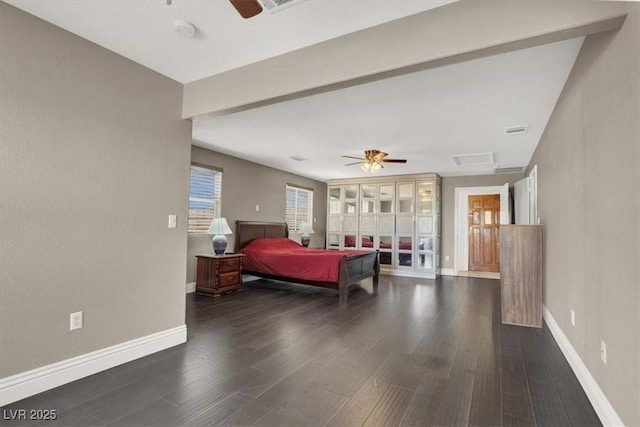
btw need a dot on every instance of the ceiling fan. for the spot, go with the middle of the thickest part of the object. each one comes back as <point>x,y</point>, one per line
<point>247,8</point>
<point>250,8</point>
<point>373,160</point>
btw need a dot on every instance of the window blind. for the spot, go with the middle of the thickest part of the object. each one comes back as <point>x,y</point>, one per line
<point>299,207</point>
<point>205,198</point>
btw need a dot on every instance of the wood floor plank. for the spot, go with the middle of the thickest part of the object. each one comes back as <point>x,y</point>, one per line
<point>456,401</point>
<point>390,407</point>
<point>486,401</point>
<point>247,415</point>
<point>423,408</point>
<point>574,399</point>
<point>217,413</point>
<point>357,409</point>
<point>160,413</point>
<point>304,390</point>
<point>549,412</point>
<point>115,405</point>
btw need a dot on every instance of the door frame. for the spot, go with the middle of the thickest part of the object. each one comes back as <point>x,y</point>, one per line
<point>533,196</point>
<point>461,220</point>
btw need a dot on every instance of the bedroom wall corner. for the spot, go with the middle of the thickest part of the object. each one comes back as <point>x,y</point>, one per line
<point>246,184</point>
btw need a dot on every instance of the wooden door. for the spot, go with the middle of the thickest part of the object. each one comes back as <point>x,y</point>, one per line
<point>484,229</point>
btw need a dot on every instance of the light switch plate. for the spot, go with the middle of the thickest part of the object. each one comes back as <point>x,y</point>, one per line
<point>75,321</point>
<point>173,221</point>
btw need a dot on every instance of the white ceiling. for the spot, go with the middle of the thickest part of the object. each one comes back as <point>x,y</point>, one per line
<point>425,117</point>
<point>142,30</point>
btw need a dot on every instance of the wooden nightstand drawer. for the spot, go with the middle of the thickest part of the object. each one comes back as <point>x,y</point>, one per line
<point>229,265</point>
<point>216,274</point>
<point>229,279</point>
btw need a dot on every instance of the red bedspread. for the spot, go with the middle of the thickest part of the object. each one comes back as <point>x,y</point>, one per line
<point>284,257</point>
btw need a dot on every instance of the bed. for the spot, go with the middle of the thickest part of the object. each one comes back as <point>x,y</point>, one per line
<point>280,258</point>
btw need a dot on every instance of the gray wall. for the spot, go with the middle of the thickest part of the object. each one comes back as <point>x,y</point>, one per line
<point>94,156</point>
<point>245,185</point>
<point>589,203</point>
<point>449,185</point>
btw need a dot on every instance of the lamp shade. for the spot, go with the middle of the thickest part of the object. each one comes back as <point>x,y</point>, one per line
<point>219,226</point>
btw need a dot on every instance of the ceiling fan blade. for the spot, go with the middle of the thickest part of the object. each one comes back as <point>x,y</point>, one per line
<point>247,8</point>
<point>351,157</point>
<point>394,160</point>
<point>354,163</point>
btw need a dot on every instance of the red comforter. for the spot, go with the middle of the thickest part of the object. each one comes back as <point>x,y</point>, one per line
<point>284,257</point>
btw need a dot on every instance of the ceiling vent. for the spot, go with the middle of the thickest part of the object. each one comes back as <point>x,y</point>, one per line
<point>516,130</point>
<point>274,6</point>
<point>512,169</point>
<point>297,158</point>
<point>473,159</point>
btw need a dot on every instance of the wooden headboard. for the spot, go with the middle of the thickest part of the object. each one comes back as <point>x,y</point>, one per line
<point>246,231</point>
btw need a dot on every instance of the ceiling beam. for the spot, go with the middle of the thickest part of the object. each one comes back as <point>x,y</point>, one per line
<point>460,31</point>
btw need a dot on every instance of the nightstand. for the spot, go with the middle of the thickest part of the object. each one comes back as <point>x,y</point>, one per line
<point>216,274</point>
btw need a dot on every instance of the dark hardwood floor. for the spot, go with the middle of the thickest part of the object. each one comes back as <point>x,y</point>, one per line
<point>420,352</point>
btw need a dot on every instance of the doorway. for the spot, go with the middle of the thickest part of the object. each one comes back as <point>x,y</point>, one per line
<point>461,226</point>
<point>484,229</point>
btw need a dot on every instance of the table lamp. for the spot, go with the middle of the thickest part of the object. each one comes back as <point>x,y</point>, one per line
<point>305,229</point>
<point>219,227</point>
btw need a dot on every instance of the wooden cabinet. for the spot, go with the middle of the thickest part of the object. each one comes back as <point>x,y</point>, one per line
<point>521,274</point>
<point>216,274</point>
<point>399,216</point>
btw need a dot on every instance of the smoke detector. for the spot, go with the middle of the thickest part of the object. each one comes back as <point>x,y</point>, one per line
<point>184,28</point>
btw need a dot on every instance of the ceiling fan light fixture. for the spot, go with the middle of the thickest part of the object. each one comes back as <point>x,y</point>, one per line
<point>373,160</point>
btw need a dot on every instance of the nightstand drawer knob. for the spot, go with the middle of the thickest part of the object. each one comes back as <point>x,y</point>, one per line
<point>230,279</point>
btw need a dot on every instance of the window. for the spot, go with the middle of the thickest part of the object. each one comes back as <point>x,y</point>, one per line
<point>205,194</point>
<point>299,207</point>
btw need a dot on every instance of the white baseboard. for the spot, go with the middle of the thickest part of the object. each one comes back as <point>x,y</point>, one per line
<point>599,401</point>
<point>25,384</point>
<point>191,287</point>
<point>407,273</point>
<point>461,273</point>
<point>448,272</point>
<point>479,274</point>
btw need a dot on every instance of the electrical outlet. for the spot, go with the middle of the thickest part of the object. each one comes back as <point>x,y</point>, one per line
<point>573,317</point>
<point>446,258</point>
<point>603,352</point>
<point>257,208</point>
<point>75,321</point>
